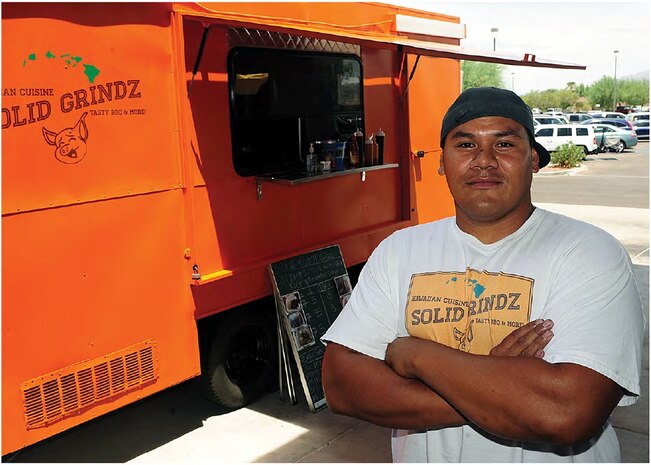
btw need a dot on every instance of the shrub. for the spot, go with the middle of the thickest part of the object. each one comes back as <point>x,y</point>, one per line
<point>568,155</point>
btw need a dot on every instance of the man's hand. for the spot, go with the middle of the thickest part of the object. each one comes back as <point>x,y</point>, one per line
<point>401,353</point>
<point>527,341</point>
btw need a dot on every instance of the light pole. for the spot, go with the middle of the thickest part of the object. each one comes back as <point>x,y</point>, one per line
<point>512,82</point>
<point>494,31</point>
<point>615,82</point>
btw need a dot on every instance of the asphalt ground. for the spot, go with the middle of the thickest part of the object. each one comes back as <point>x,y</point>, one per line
<point>179,425</point>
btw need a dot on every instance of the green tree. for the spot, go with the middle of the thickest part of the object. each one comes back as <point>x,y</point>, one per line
<point>581,90</point>
<point>552,98</point>
<point>479,74</point>
<point>633,92</point>
<point>601,92</point>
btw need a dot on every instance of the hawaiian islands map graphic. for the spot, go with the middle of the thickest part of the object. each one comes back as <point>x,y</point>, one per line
<point>90,71</point>
<point>477,288</point>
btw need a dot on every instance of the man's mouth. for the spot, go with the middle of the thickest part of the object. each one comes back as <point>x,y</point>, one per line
<point>483,183</point>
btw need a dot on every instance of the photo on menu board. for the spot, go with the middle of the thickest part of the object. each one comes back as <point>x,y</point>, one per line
<point>344,300</point>
<point>292,302</point>
<point>296,319</point>
<point>303,337</point>
<point>343,285</point>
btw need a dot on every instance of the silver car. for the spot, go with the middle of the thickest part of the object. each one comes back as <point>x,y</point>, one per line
<point>605,132</point>
<point>576,118</point>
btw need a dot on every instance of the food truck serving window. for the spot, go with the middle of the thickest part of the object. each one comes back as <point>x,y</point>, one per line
<point>282,100</point>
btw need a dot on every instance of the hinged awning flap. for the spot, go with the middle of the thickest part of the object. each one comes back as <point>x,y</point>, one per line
<point>419,47</point>
<point>354,35</point>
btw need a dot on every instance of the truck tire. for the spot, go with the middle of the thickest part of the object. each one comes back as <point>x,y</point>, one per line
<point>241,360</point>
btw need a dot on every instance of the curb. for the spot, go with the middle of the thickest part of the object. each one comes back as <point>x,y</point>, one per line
<point>567,172</point>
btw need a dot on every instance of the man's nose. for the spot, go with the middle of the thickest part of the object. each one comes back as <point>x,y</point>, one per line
<point>484,157</point>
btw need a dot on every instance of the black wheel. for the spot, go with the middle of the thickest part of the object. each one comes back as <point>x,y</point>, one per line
<point>241,359</point>
<point>620,146</point>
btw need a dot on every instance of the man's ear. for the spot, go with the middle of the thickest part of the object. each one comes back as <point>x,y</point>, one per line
<point>535,159</point>
<point>441,168</point>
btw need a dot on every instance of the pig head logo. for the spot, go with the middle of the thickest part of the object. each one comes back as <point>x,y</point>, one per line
<point>70,143</point>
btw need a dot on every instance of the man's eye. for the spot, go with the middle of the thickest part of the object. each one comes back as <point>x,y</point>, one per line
<point>504,144</point>
<point>466,145</point>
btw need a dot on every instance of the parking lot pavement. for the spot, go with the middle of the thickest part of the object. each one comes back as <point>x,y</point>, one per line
<point>629,225</point>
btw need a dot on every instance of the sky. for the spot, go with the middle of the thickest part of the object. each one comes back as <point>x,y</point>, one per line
<point>582,32</point>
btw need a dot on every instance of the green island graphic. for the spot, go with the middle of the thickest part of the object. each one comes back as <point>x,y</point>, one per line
<point>90,71</point>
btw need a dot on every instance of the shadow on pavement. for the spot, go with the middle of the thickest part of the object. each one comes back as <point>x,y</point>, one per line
<point>128,432</point>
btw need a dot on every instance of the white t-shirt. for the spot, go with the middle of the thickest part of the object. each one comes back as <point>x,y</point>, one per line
<point>435,281</point>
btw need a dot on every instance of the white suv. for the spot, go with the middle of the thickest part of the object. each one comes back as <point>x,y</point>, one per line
<point>551,136</point>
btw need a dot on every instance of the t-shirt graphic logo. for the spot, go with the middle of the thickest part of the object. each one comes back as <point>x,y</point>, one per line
<point>472,311</point>
<point>464,339</point>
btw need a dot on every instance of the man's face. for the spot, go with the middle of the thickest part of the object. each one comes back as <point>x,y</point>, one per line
<point>489,164</point>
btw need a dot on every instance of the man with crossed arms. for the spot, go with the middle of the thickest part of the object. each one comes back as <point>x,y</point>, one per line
<point>447,337</point>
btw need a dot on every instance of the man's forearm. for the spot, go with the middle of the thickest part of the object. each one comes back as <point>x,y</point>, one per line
<point>364,387</point>
<point>515,397</point>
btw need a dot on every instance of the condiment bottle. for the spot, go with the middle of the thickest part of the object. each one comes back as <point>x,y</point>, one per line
<point>353,152</point>
<point>311,161</point>
<point>379,138</point>
<point>359,138</point>
<point>368,151</point>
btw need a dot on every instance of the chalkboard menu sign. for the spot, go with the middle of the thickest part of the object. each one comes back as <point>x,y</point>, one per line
<point>311,289</point>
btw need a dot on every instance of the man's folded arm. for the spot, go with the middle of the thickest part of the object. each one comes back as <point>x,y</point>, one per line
<point>364,387</point>
<point>523,398</point>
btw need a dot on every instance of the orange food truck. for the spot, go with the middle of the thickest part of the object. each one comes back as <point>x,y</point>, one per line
<point>157,157</point>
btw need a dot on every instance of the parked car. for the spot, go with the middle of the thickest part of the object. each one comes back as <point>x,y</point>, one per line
<point>624,109</point>
<point>576,118</point>
<point>607,114</point>
<point>613,115</point>
<point>637,116</point>
<point>548,119</point>
<point>627,138</point>
<point>642,129</point>
<point>620,123</point>
<point>551,136</point>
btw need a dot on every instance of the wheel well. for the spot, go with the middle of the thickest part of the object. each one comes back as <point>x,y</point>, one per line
<point>206,326</point>
<point>239,353</point>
